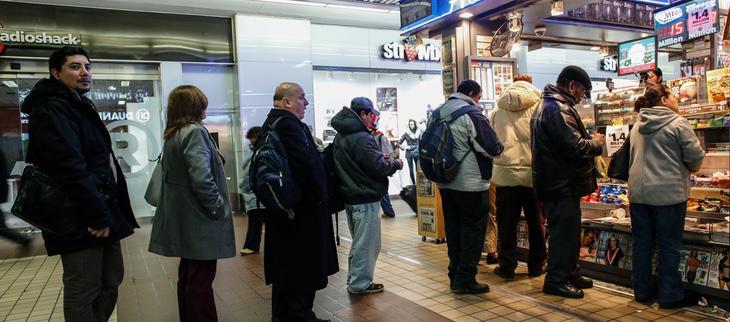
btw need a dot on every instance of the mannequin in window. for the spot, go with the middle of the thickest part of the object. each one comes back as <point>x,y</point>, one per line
<point>411,138</point>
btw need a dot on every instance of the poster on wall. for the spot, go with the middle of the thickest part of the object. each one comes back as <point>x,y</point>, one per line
<point>637,56</point>
<point>388,124</point>
<point>718,85</point>
<point>448,79</point>
<point>386,99</point>
<point>685,89</point>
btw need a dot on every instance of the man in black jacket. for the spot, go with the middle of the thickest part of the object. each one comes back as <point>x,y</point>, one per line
<point>300,253</point>
<point>563,171</point>
<point>69,142</point>
<point>363,173</point>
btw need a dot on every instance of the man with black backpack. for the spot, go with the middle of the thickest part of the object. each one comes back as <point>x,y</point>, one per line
<point>363,173</point>
<point>300,247</point>
<point>464,184</point>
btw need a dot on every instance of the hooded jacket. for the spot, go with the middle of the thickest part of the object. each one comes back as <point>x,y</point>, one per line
<point>664,150</point>
<point>361,169</point>
<point>69,142</point>
<point>562,150</point>
<point>511,122</point>
<point>474,138</point>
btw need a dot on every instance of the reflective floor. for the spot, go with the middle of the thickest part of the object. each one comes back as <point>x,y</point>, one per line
<point>414,274</point>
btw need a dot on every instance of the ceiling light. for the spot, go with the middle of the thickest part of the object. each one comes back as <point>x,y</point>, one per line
<point>466,15</point>
<point>338,6</point>
<point>595,48</point>
<point>556,8</point>
<point>303,3</point>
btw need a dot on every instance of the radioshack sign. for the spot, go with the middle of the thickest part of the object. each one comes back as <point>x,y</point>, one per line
<point>20,38</point>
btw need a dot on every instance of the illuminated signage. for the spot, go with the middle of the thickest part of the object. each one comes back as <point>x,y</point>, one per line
<point>438,9</point>
<point>609,64</point>
<point>22,37</point>
<point>686,21</point>
<point>411,49</point>
<point>637,56</point>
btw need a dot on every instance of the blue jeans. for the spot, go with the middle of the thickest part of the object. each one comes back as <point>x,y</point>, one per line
<point>364,224</point>
<point>387,206</point>
<point>660,226</point>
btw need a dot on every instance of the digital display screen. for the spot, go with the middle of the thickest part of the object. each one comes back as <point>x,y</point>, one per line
<point>637,56</point>
<point>685,21</point>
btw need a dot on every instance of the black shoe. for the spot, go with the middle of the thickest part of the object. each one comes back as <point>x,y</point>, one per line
<point>492,259</point>
<point>566,290</point>
<point>645,300</point>
<point>476,288</point>
<point>504,273</point>
<point>536,272</point>
<point>581,282</point>
<point>690,299</point>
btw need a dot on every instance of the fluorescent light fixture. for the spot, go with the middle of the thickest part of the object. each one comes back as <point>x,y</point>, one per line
<point>10,84</point>
<point>338,6</point>
<point>303,3</point>
<point>556,8</point>
<point>466,15</point>
<point>595,48</point>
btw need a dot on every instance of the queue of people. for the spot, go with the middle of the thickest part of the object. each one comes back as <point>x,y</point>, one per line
<point>533,149</point>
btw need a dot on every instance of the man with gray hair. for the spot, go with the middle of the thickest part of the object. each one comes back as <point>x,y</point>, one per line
<point>362,172</point>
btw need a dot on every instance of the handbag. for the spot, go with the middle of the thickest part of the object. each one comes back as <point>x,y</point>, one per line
<point>152,195</point>
<point>620,161</point>
<point>42,203</point>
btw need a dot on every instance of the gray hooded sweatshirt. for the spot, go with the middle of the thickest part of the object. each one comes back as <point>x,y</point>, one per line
<point>664,150</point>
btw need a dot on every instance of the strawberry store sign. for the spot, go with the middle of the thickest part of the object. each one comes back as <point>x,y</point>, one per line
<point>410,51</point>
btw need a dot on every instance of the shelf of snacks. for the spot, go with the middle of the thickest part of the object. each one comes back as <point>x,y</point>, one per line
<point>617,107</point>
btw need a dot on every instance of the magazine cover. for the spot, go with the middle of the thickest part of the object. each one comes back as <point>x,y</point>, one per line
<point>718,84</point>
<point>427,218</point>
<point>719,271</point>
<point>424,186</point>
<point>694,264</point>
<point>685,89</point>
<point>588,244</point>
<point>612,249</point>
<point>523,241</point>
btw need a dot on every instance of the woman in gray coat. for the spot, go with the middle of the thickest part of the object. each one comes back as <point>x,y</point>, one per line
<point>193,219</point>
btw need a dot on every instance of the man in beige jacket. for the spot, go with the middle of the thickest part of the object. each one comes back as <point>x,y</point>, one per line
<point>512,174</point>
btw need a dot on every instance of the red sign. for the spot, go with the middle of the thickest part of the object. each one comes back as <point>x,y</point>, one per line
<point>2,48</point>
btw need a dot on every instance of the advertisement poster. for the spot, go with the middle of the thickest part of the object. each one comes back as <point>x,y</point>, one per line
<point>686,21</point>
<point>424,186</point>
<point>702,18</point>
<point>387,99</point>
<point>685,89</point>
<point>718,85</point>
<point>427,219</point>
<point>637,56</point>
<point>615,137</point>
<point>388,124</point>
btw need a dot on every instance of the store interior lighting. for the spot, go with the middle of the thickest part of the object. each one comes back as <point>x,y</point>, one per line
<point>466,15</point>
<point>595,48</point>
<point>556,8</point>
<point>603,51</point>
<point>332,5</point>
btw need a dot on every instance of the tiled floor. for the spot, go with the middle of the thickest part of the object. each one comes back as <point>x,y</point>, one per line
<point>413,273</point>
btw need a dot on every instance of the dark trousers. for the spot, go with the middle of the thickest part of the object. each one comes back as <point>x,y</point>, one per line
<point>256,219</point>
<point>412,165</point>
<point>387,206</point>
<point>291,306</point>
<point>563,219</point>
<point>659,227</point>
<point>195,300</point>
<point>511,201</point>
<point>465,220</point>
<point>91,278</point>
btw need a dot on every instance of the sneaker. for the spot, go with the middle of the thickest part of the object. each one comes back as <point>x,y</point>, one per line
<point>247,251</point>
<point>372,288</point>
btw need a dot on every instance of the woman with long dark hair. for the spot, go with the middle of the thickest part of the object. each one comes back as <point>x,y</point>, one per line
<point>664,151</point>
<point>193,219</point>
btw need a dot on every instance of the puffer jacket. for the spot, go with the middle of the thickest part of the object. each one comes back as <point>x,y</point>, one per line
<point>562,150</point>
<point>249,198</point>
<point>474,141</point>
<point>361,169</point>
<point>511,121</point>
<point>664,150</point>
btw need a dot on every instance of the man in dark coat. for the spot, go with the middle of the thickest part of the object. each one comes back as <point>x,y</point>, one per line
<point>69,142</point>
<point>563,171</point>
<point>300,252</point>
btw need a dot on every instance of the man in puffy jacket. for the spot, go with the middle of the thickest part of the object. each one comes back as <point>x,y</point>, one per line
<point>465,200</point>
<point>512,176</point>
<point>563,171</point>
<point>363,173</point>
<point>69,143</point>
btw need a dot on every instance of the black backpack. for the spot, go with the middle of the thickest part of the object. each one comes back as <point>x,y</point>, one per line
<point>436,147</point>
<point>335,200</point>
<point>270,176</point>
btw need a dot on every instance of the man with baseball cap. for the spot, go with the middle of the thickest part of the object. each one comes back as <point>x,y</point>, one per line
<point>362,172</point>
<point>563,171</point>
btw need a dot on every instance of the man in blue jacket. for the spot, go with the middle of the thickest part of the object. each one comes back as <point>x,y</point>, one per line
<point>362,172</point>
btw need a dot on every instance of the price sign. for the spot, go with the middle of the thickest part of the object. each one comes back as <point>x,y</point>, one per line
<point>685,21</point>
<point>615,137</point>
<point>702,18</point>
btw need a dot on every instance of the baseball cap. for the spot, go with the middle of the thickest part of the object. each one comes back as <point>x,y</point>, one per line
<point>577,74</point>
<point>363,104</point>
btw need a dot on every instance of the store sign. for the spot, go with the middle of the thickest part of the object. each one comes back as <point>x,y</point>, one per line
<point>609,64</point>
<point>615,137</point>
<point>38,38</point>
<point>141,115</point>
<point>410,51</point>
<point>686,21</point>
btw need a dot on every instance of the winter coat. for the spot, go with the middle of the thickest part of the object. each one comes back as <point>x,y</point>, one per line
<point>562,150</point>
<point>664,150</point>
<point>69,142</point>
<point>300,253</point>
<point>511,122</point>
<point>193,219</point>
<point>361,168</point>
<point>249,198</point>
<point>475,138</point>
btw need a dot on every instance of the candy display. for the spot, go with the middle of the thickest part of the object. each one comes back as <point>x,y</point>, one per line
<point>718,180</point>
<point>611,194</point>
